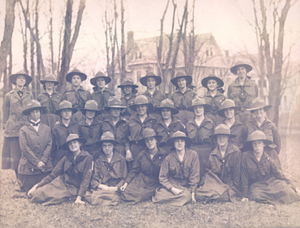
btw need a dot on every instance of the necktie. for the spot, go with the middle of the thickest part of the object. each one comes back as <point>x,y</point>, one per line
<point>35,124</point>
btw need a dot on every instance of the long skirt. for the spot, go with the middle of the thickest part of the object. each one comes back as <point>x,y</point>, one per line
<point>162,195</point>
<point>203,151</point>
<point>135,149</point>
<point>104,198</point>
<point>214,189</point>
<point>11,153</point>
<point>273,191</point>
<point>26,182</point>
<point>55,192</point>
<point>184,116</point>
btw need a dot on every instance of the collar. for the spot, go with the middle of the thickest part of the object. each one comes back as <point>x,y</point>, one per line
<point>204,122</point>
<point>247,82</point>
<point>95,89</point>
<point>149,94</point>
<point>81,156</point>
<point>84,123</point>
<point>35,123</point>
<point>73,90</point>
<point>186,91</point>
<point>137,118</point>
<point>109,120</point>
<point>217,95</point>
<point>175,120</point>
<point>251,155</point>
<point>116,157</point>
<point>231,148</point>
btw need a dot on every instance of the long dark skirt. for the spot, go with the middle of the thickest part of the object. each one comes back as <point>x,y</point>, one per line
<point>104,198</point>
<point>55,192</point>
<point>135,149</point>
<point>26,182</point>
<point>203,151</point>
<point>11,153</point>
<point>162,195</point>
<point>273,191</point>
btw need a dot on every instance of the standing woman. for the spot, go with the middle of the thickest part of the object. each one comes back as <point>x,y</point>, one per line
<point>110,172</point>
<point>13,104</point>
<point>242,90</point>
<point>70,178</point>
<point>199,130</point>
<point>35,144</point>
<point>179,173</point>
<point>214,96</point>
<point>183,96</point>
<point>142,180</point>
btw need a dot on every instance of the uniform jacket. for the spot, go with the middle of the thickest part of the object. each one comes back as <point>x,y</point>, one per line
<point>13,105</point>
<point>51,102</point>
<point>166,132</point>
<point>254,171</point>
<point>35,147</point>
<point>215,101</point>
<point>183,100</point>
<point>127,113</point>
<point>77,98</point>
<point>76,172</point>
<point>156,98</point>
<point>243,94</point>
<point>136,126</point>
<point>92,133</point>
<point>147,167</point>
<point>60,133</point>
<point>238,129</point>
<point>227,168</point>
<point>101,97</point>
<point>110,174</point>
<point>200,135</point>
<point>174,173</point>
<point>269,128</point>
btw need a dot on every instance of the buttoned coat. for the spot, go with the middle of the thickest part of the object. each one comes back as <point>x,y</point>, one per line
<point>200,134</point>
<point>240,131</point>
<point>101,97</point>
<point>51,102</point>
<point>77,98</point>
<point>183,100</point>
<point>155,98</point>
<point>92,133</point>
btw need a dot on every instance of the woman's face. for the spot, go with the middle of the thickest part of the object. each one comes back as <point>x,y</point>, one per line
<point>151,83</point>
<point>141,110</point>
<point>49,85</point>
<point>222,140</point>
<point>199,110</point>
<point>127,90</point>
<point>107,148</point>
<point>259,113</point>
<point>20,80</point>
<point>212,85</point>
<point>115,112</point>
<point>151,143</point>
<point>241,72</point>
<point>74,146</point>
<point>179,144</point>
<point>66,114</point>
<point>90,114</point>
<point>35,115</point>
<point>258,147</point>
<point>76,80</point>
<point>166,113</point>
<point>100,82</point>
<point>229,113</point>
<point>181,83</point>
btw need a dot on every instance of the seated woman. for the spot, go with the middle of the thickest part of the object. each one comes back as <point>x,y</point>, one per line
<point>110,172</point>
<point>222,181</point>
<point>70,177</point>
<point>142,179</point>
<point>261,180</point>
<point>35,143</point>
<point>179,174</point>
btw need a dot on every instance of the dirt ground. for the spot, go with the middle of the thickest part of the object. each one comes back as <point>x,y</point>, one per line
<point>19,212</point>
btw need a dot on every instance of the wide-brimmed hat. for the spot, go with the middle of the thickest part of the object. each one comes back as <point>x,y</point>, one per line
<point>179,135</point>
<point>181,74</point>
<point>128,82</point>
<point>100,75</point>
<point>65,105</point>
<point>167,104</point>
<point>13,77</point>
<point>240,64</point>
<point>107,137</point>
<point>49,78</point>
<point>141,100</point>
<point>228,103</point>
<point>149,132</point>
<point>198,101</point>
<point>143,80</point>
<point>256,136</point>
<point>222,129</point>
<point>32,105</point>
<point>114,102</point>
<point>72,137</point>
<point>258,103</point>
<point>212,77</point>
<point>91,105</point>
<point>75,72</point>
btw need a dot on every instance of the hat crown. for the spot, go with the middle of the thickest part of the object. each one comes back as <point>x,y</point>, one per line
<point>114,101</point>
<point>177,134</point>
<point>198,101</point>
<point>21,72</point>
<point>91,104</point>
<point>150,73</point>
<point>72,137</point>
<point>33,104</point>
<point>180,74</point>
<point>257,135</point>
<point>222,129</point>
<point>140,100</point>
<point>258,102</point>
<point>50,77</point>
<point>100,74</point>
<point>107,136</point>
<point>148,132</point>
<point>167,103</point>
<point>227,103</point>
<point>128,81</point>
<point>65,105</point>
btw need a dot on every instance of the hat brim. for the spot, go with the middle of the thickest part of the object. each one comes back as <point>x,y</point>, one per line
<point>236,111</point>
<point>58,111</point>
<point>188,79</point>
<point>234,68</point>
<point>107,108</point>
<point>133,86</point>
<point>134,106</point>
<point>218,80</point>
<point>143,80</point>
<point>26,112</point>
<point>206,107</point>
<point>71,74</point>
<point>83,110</point>
<point>66,147</point>
<point>170,141</point>
<point>43,82</point>
<point>114,142</point>
<point>13,78</point>
<point>265,107</point>
<point>174,111</point>
<point>248,144</point>
<point>94,80</point>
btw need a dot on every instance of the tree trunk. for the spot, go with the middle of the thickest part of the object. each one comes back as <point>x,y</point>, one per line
<point>123,56</point>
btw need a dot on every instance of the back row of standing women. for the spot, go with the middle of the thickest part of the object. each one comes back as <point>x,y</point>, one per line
<point>102,119</point>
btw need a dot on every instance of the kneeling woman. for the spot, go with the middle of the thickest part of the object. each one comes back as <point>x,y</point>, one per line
<point>179,174</point>
<point>70,177</point>
<point>262,180</point>
<point>222,180</point>
<point>142,180</point>
<point>110,172</point>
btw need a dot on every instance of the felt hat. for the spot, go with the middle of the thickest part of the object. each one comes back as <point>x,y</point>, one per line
<point>181,74</point>
<point>256,136</point>
<point>107,137</point>
<point>49,78</point>
<point>100,75</point>
<point>167,104</point>
<point>128,82</point>
<point>143,80</point>
<point>222,129</point>
<point>91,105</point>
<point>228,103</point>
<point>32,105</point>
<point>258,103</point>
<point>13,77</point>
<point>240,64</point>
<point>114,102</point>
<point>70,138</point>
<point>212,77</point>
<point>178,135</point>
<point>141,100</point>
<point>149,132</point>
<point>65,105</point>
<point>75,72</point>
<point>198,101</point>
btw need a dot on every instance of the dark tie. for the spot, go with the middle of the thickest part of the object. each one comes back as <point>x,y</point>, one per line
<point>35,124</point>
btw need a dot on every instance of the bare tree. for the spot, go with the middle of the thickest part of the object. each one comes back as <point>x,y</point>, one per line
<point>123,54</point>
